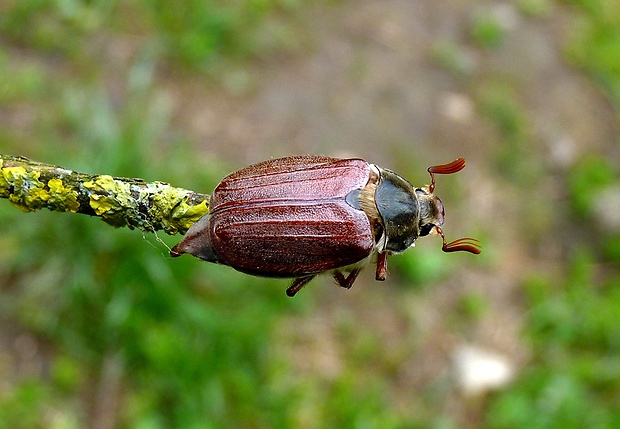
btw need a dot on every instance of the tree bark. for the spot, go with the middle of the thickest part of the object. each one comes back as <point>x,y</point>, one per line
<point>119,201</point>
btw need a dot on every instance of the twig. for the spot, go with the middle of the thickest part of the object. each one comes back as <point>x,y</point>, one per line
<point>134,203</point>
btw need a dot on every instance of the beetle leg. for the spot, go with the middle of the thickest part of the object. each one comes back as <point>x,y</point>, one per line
<point>346,282</point>
<point>297,284</point>
<point>381,266</point>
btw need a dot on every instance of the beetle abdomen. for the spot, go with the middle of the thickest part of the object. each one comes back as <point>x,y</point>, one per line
<point>291,239</point>
<point>288,217</point>
<point>285,217</point>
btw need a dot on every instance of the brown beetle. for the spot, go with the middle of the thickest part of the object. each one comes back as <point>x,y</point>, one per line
<point>304,215</point>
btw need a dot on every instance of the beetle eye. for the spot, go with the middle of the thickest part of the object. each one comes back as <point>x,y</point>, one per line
<point>426,229</point>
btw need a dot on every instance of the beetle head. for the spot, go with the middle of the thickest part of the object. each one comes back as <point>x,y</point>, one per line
<point>432,212</point>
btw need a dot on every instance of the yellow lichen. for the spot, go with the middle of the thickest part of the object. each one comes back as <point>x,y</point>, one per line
<point>36,198</point>
<point>111,199</point>
<point>109,195</point>
<point>188,215</point>
<point>28,192</point>
<point>171,209</point>
<point>62,197</point>
<point>119,202</point>
<point>4,185</point>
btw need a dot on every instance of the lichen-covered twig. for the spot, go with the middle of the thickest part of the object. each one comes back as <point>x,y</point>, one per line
<point>135,203</point>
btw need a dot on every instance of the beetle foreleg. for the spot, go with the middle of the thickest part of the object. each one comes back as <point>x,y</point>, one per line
<point>381,266</point>
<point>297,284</point>
<point>346,282</point>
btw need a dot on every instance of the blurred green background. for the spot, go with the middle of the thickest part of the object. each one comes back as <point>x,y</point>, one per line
<point>99,328</point>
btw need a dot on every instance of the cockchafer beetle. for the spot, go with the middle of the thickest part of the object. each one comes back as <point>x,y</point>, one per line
<point>301,216</point>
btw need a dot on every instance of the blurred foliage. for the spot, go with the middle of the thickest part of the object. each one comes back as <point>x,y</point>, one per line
<point>176,342</point>
<point>575,376</point>
<point>180,345</point>
<point>587,178</point>
<point>197,33</point>
<point>452,58</point>
<point>183,347</point>
<point>500,103</point>
<point>535,8</point>
<point>487,30</point>
<point>596,43</point>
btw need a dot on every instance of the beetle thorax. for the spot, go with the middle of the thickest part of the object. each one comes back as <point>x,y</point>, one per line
<point>391,204</point>
<point>398,212</point>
